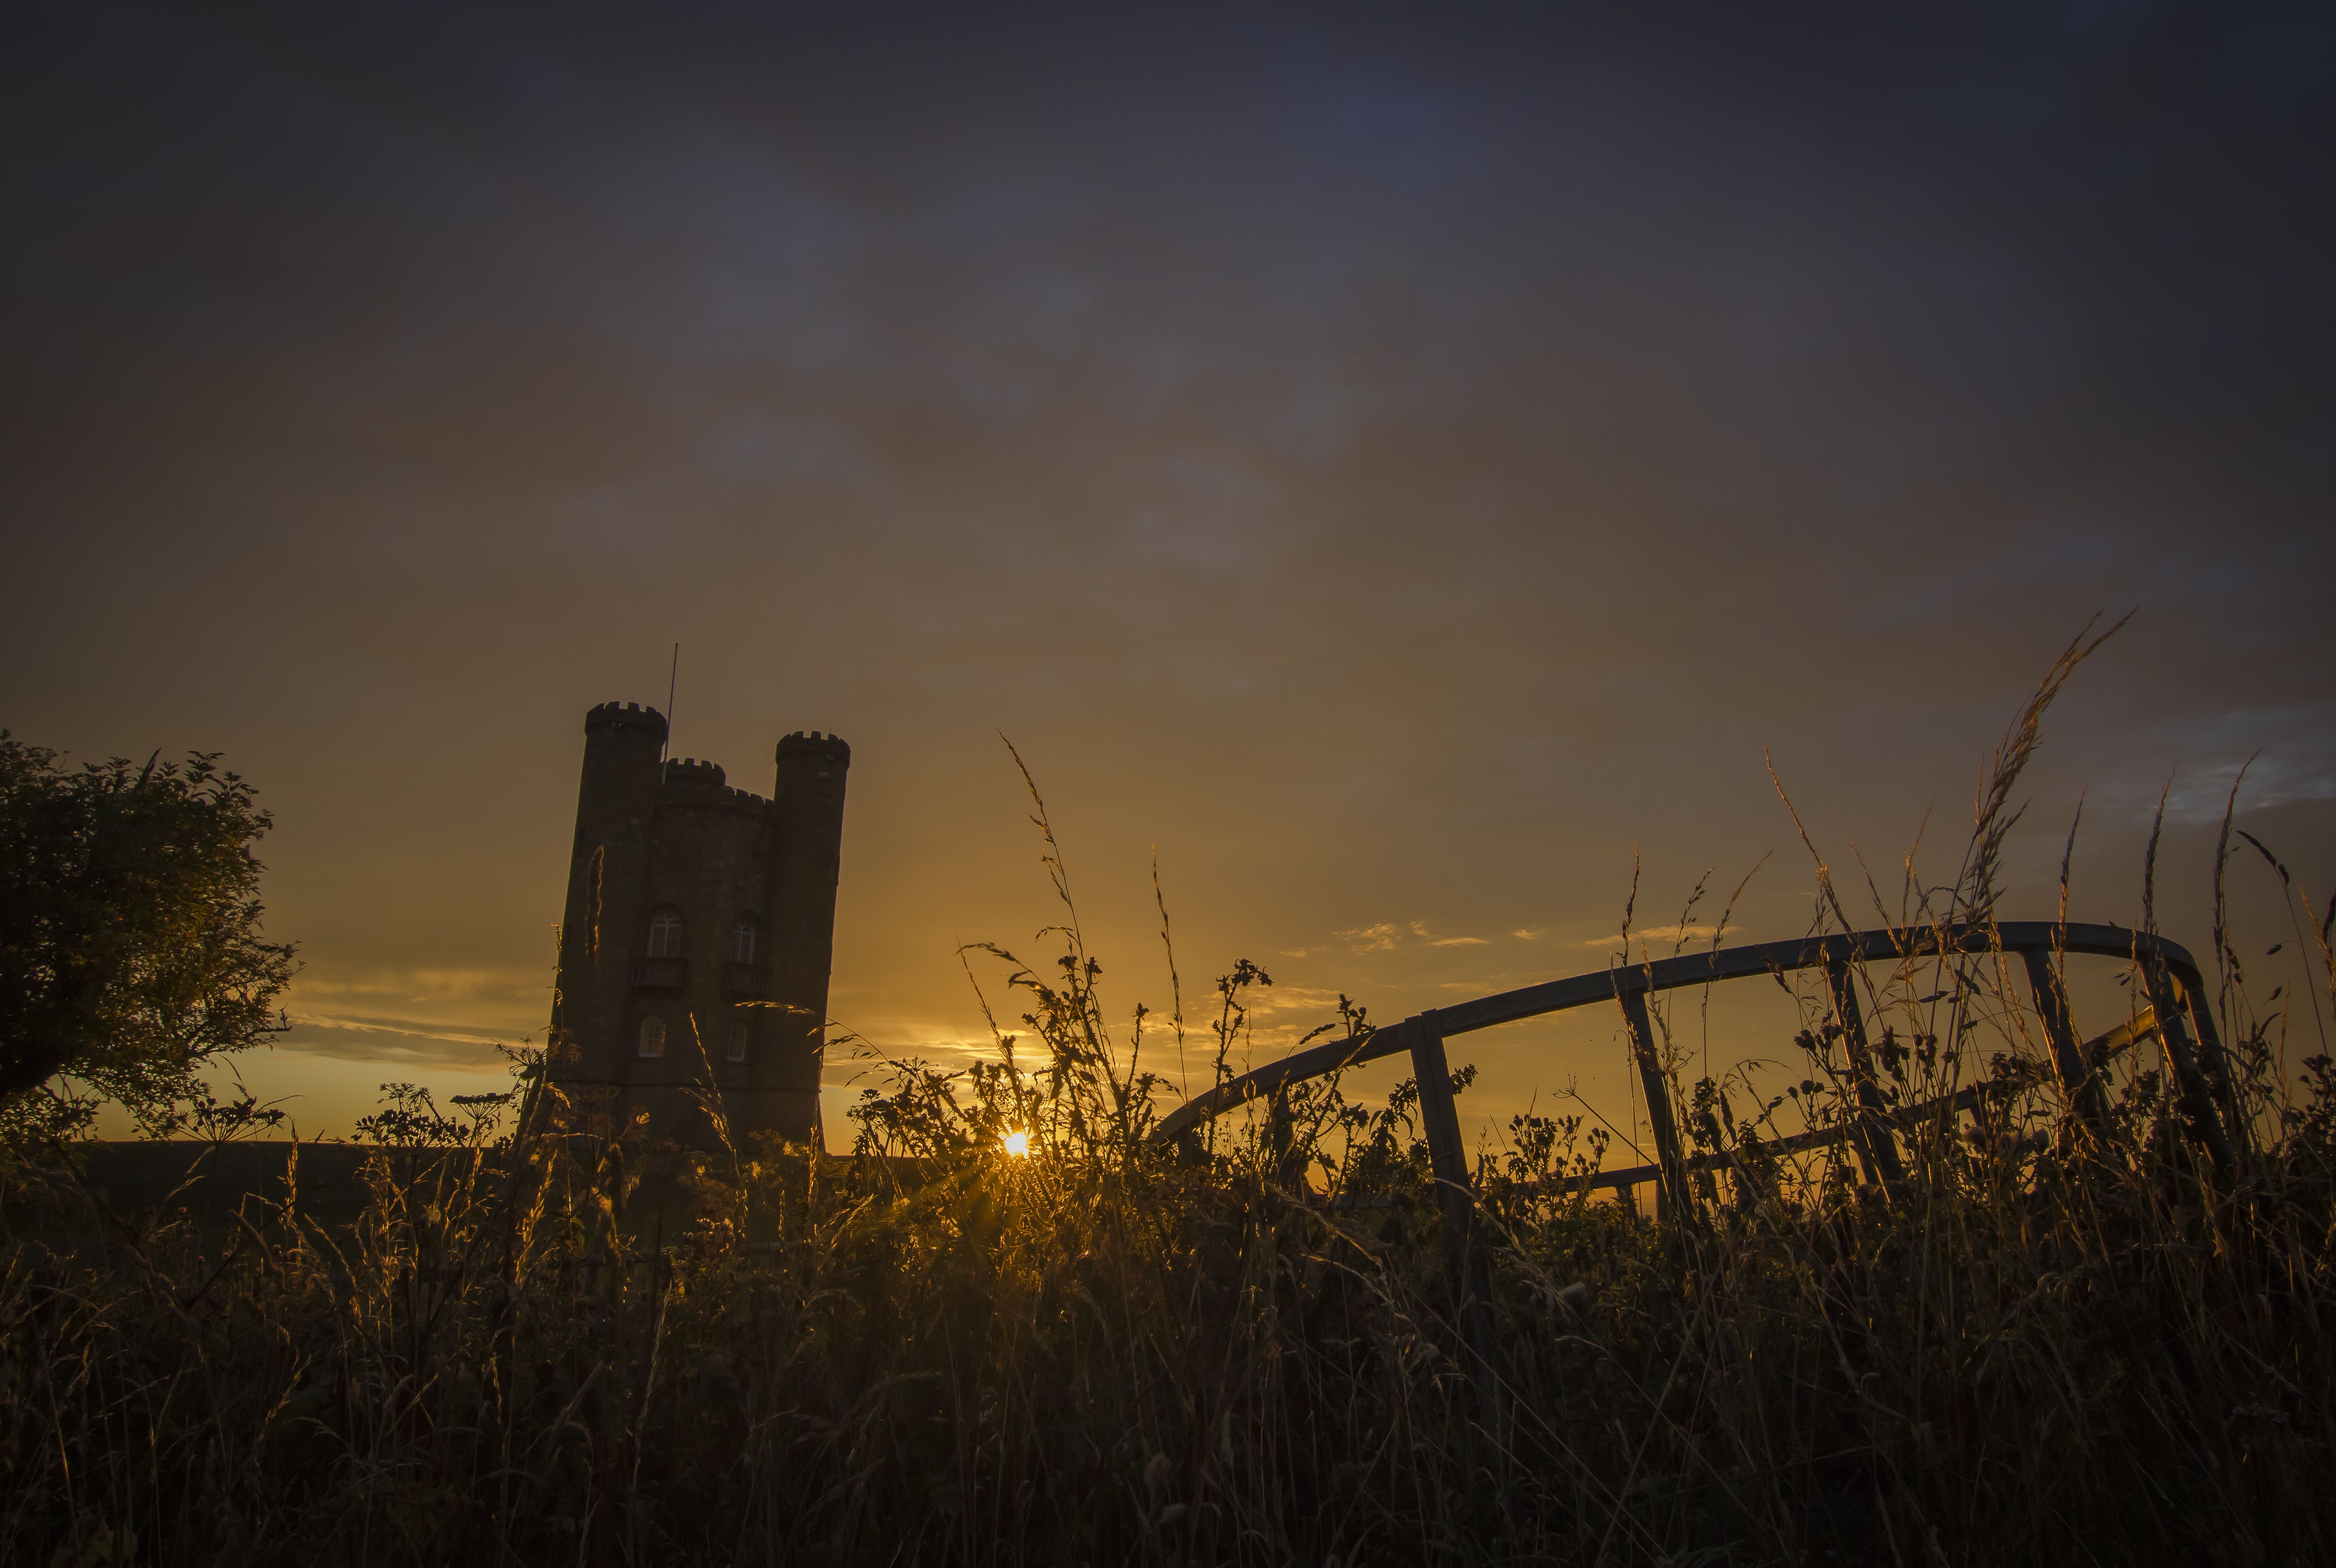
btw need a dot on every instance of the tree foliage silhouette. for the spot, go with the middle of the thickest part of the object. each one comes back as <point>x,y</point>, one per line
<point>131,951</point>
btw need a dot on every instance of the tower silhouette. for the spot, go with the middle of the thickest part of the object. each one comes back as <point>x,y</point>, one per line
<point>700,925</point>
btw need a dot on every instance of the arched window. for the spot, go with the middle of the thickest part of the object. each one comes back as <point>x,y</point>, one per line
<point>742,941</point>
<point>665,934</point>
<point>652,1037</point>
<point>738,1031</point>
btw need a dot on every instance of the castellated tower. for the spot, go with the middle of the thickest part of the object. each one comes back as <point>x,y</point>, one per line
<point>700,923</point>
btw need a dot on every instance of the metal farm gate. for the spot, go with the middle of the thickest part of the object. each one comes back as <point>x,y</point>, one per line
<point>2171,985</point>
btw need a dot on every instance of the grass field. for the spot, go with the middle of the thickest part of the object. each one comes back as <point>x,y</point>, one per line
<point>2041,1347</point>
<point>1094,1354</point>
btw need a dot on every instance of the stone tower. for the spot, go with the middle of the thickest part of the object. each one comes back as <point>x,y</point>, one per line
<point>700,923</point>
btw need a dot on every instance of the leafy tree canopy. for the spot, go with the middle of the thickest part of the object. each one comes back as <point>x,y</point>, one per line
<point>131,951</point>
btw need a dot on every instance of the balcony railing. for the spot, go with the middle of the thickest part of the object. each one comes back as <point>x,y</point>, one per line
<point>660,974</point>
<point>746,980</point>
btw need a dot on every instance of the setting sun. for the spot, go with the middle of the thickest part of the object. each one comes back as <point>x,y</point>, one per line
<point>1019,1144</point>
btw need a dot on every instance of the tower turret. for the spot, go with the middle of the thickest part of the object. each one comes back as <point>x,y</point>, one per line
<point>616,808</point>
<point>807,858</point>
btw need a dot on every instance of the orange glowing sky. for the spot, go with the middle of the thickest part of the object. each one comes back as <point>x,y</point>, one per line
<point>1392,464</point>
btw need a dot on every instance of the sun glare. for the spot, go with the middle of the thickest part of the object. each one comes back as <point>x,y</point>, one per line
<point>1019,1144</point>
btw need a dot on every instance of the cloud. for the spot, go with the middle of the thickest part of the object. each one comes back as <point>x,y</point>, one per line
<point>1378,939</point>
<point>2298,765</point>
<point>1386,936</point>
<point>1681,935</point>
<point>372,1013</point>
<point>1291,998</point>
<point>862,1056</point>
<point>415,1028</point>
<point>428,985</point>
<point>391,1041</point>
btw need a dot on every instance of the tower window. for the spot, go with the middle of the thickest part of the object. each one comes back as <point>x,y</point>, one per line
<point>742,941</point>
<point>665,934</point>
<point>738,1029</point>
<point>652,1037</point>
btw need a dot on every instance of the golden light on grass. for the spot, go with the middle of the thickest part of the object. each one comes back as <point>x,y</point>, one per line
<point>1019,1144</point>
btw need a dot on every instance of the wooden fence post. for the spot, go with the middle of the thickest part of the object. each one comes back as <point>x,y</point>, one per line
<point>1672,1202</point>
<point>1448,1156</point>
<point>1876,1141</point>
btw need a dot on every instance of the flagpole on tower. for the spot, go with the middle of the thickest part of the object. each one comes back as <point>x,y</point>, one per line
<point>672,681</point>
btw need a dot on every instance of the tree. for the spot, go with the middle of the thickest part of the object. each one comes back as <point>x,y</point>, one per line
<point>131,951</point>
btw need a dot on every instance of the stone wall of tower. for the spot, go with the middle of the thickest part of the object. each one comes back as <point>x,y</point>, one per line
<point>674,837</point>
<point>708,864</point>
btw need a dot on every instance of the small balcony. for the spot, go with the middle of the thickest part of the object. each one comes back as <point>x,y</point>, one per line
<point>660,974</point>
<point>746,980</point>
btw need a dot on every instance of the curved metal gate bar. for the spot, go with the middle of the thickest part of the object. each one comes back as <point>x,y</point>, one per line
<point>2170,974</point>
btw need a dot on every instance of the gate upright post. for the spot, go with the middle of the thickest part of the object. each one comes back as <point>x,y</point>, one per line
<point>1671,1200</point>
<point>2216,1064</point>
<point>1448,1156</point>
<point>1876,1141</point>
<point>2197,1095</point>
<point>2077,1080</point>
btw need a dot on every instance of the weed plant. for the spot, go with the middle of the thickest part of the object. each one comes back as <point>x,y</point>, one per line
<point>2055,1341</point>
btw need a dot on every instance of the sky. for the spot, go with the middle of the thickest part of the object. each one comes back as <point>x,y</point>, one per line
<point>1402,466</point>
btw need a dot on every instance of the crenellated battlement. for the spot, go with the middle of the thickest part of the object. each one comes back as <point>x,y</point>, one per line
<point>621,714</point>
<point>689,781</point>
<point>812,741</point>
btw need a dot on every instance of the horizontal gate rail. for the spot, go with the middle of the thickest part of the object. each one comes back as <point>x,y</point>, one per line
<point>1964,1099</point>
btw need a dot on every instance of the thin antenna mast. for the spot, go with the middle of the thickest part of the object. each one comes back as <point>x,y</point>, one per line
<point>672,680</point>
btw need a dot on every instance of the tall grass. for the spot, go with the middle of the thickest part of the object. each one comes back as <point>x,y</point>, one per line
<point>2049,1344</point>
